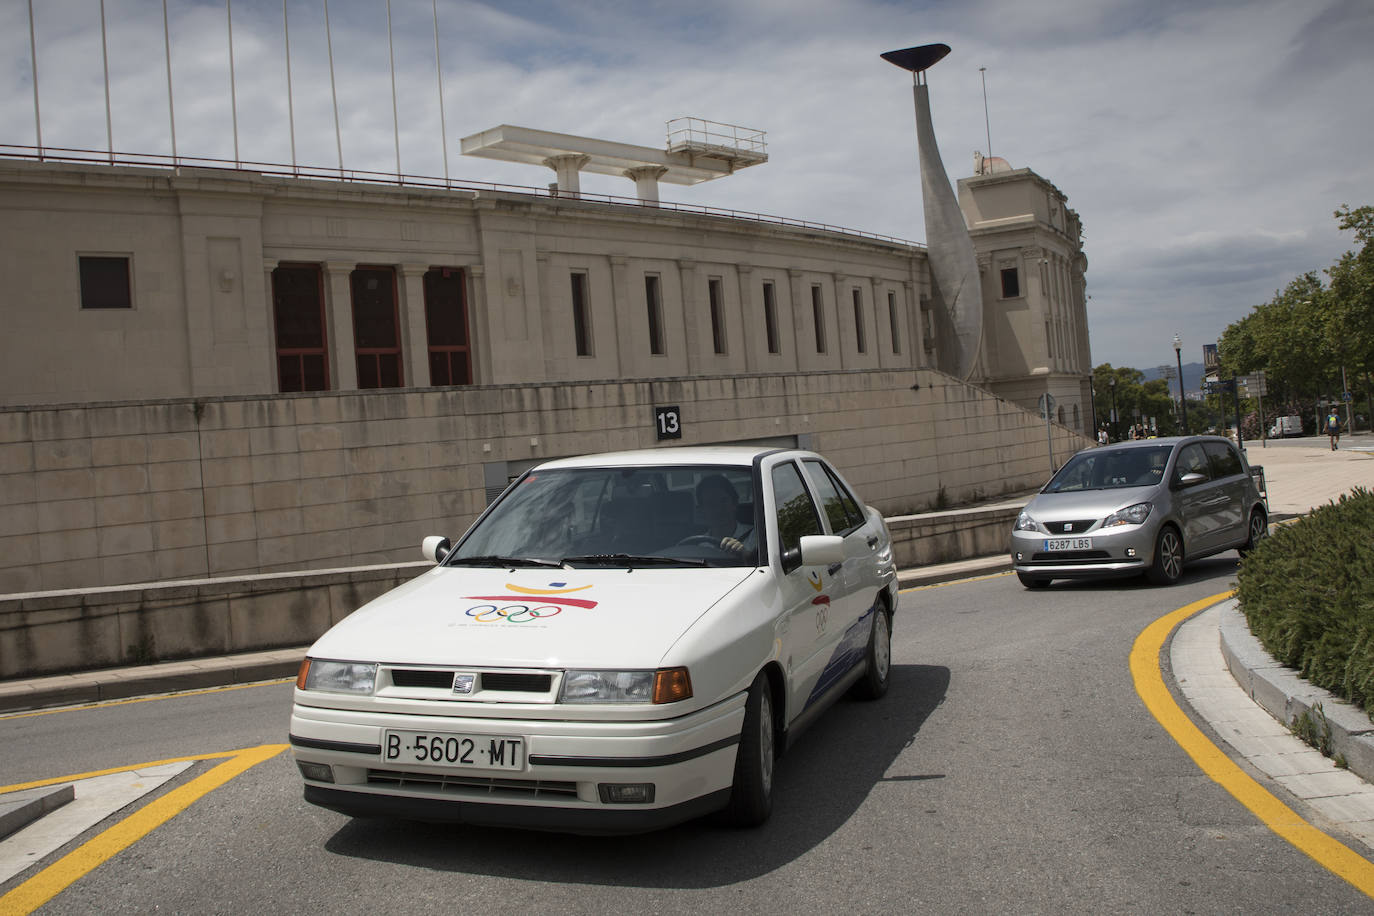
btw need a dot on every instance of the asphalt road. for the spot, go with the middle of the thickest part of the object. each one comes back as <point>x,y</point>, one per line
<point>1012,768</point>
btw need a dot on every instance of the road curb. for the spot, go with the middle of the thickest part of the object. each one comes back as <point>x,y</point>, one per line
<point>1286,696</point>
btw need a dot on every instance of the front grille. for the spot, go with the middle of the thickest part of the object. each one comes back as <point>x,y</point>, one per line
<point>1066,557</point>
<point>517,683</point>
<point>1073,526</point>
<point>413,677</point>
<point>472,786</point>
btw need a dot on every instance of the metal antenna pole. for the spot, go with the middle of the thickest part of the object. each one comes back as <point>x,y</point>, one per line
<point>290,102</point>
<point>439,69</point>
<point>171,108</point>
<point>105,61</point>
<point>395,119</point>
<point>233,93</point>
<point>334,93</point>
<point>987,122</point>
<point>33,57</point>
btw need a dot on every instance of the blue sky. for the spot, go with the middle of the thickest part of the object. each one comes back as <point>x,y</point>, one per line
<point>1204,144</point>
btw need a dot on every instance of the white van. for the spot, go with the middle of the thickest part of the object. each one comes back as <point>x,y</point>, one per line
<point>1284,427</point>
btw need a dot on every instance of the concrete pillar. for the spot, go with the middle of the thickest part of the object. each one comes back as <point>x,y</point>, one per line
<point>479,326</point>
<point>751,317</point>
<point>343,360</point>
<point>269,265</point>
<point>622,326</point>
<point>646,179</point>
<point>415,337</point>
<point>691,299</point>
<point>567,167</point>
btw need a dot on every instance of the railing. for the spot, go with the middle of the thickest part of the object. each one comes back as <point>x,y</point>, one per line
<point>700,134</point>
<point>362,176</point>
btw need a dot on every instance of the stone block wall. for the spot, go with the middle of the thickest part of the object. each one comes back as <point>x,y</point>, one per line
<point>110,494</point>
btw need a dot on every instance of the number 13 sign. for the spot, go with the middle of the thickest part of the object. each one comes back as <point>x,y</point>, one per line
<point>668,422</point>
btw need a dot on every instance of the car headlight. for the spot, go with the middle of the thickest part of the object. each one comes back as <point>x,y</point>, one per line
<point>666,685</point>
<point>1025,523</point>
<point>337,677</point>
<point>1131,515</point>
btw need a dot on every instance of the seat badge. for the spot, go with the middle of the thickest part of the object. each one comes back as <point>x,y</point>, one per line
<point>462,682</point>
<point>1068,526</point>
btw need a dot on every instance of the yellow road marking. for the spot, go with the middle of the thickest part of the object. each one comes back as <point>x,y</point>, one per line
<point>60,875</point>
<point>1327,851</point>
<point>39,783</point>
<point>160,696</point>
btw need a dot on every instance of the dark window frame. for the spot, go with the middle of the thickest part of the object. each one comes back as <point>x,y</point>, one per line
<point>715,293</point>
<point>100,289</point>
<point>371,358</point>
<point>860,335</point>
<point>770,317</point>
<point>449,363</point>
<point>581,312</point>
<point>818,316</point>
<point>893,321</point>
<point>1011,283</point>
<point>299,355</point>
<point>653,301</point>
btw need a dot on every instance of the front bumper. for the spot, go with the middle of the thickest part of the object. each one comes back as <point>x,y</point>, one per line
<point>1124,551</point>
<point>689,761</point>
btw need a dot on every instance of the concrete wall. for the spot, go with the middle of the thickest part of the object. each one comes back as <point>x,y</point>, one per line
<point>109,494</point>
<point>63,632</point>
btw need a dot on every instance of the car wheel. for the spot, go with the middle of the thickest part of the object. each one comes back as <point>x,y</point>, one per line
<point>1168,562</point>
<point>1259,527</point>
<point>1033,581</point>
<point>874,682</point>
<point>751,795</point>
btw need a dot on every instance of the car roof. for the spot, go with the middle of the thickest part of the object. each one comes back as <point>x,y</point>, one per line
<point>706,455</point>
<point>1153,443</point>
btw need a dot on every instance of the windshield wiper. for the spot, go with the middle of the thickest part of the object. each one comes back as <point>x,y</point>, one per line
<point>626,559</point>
<point>492,560</point>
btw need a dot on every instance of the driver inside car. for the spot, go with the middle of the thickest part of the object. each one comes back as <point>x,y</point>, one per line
<point>718,508</point>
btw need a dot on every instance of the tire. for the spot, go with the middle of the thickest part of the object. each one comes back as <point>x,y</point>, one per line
<point>751,795</point>
<point>1167,566</point>
<point>879,657</point>
<point>1258,530</point>
<point>1032,581</point>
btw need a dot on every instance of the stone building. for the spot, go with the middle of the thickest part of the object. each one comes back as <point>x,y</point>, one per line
<point>212,372</point>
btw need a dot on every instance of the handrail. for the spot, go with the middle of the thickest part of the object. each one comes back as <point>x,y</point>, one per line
<point>363,176</point>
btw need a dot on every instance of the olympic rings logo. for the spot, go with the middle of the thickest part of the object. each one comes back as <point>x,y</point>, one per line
<point>511,613</point>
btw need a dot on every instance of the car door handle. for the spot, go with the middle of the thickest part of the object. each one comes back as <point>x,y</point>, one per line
<point>834,569</point>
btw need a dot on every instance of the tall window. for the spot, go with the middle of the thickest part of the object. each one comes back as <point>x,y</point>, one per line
<point>105,282</point>
<point>859,339</point>
<point>894,322</point>
<point>582,324</point>
<point>376,327</point>
<point>818,317</point>
<point>770,317</point>
<point>298,317</point>
<point>1011,283</point>
<point>717,315</point>
<point>446,325</point>
<point>653,300</point>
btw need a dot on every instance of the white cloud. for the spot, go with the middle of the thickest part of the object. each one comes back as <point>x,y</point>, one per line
<point>1205,144</point>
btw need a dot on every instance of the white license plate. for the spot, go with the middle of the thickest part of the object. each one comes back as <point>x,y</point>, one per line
<point>1069,544</point>
<point>485,752</point>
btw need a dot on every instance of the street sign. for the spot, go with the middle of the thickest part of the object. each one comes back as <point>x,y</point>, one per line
<point>1046,404</point>
<point>1345,396</point>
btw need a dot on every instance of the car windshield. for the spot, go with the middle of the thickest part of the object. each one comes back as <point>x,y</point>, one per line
<point>1111,468</point>
<point>661,516</point>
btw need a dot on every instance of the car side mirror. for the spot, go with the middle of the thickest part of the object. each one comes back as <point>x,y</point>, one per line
<point>1192,478</point>
<point>435,548</point>
<point>814,550</point>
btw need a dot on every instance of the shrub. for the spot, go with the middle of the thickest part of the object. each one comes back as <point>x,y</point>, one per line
<point>1308,593</point>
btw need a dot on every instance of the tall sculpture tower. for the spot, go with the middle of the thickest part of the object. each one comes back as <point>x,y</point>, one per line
<point>953,264</point>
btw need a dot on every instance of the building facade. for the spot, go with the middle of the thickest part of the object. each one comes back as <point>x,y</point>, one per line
<point>218,372</point>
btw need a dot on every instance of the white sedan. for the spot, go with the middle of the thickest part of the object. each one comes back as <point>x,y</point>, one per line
<point>619,643</point>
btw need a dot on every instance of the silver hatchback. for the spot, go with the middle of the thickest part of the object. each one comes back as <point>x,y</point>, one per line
<point>1139,507</point>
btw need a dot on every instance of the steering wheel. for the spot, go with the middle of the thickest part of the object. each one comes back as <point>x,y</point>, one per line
<point>694,540</point>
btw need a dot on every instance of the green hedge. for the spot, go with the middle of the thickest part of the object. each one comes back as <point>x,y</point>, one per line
<point>1308,592</point>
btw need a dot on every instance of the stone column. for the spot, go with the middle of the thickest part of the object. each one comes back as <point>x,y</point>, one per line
<point>415,340</point>
<point>801,308</point>
<point>270,299</point>
<point>343,359</point>
<point>687,272</point>
<point>751,317</point>
<point>479,328</point>
<point>567,167</point>
<point>646,179</point>
<point>622,326</point>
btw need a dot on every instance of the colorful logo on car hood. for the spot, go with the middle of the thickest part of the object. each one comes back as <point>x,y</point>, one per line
<point>526,604</point>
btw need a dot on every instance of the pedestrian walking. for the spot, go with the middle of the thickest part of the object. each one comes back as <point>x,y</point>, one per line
<point>1333,428</point>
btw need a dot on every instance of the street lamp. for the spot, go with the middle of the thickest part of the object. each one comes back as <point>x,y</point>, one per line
<point>1111,383</point>
<point>1182,398</point>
